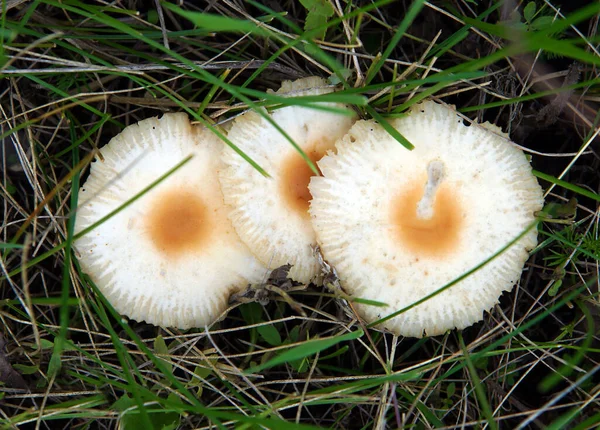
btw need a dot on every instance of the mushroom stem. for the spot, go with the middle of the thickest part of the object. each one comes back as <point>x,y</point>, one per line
<point>436,172</point>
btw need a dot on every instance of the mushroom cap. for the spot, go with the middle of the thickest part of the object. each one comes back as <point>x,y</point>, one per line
<point>390,244</point>
<point>171,258</point>
<point>271,214</point>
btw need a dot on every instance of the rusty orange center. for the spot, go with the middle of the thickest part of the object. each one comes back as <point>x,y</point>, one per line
<point>295,178</point>
<point>433,236</point>
<point>178,222</point>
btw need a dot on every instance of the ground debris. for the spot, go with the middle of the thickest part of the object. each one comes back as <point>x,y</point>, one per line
<point>331,281</point>
<point>549,114</point>
<point>9,376</point>
<point>559,213</point>
<point>330,277</point>
<point>277,285</point>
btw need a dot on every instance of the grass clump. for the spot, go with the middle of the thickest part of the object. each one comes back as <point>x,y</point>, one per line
<point>76,73</point>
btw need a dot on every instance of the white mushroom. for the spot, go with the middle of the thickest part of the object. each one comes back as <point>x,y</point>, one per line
<point>270,214</point>
<point>172,257</point>
<point>399,225</point>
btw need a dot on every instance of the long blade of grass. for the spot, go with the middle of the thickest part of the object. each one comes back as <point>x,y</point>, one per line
<point>10,245</point>
<point>568,367</point>
<point>138,196</point>
<point>422,407</point>
<point>567,186</point>
<point>217,23</point>
<point>459,278</point>
<point>59,342</point>
<point>528,97</point>
<point>128,366</point>
<point>509,32</point>
<point>62,245</point>
<point>307,349</point>
<point>409,17</point>
<point>461,34</point>
<point>389,128</point>
<point>484,404</point>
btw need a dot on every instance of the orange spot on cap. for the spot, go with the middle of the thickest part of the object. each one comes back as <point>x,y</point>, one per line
<point>178,222</point>
<point>295,178</point>
<point>434,236</point>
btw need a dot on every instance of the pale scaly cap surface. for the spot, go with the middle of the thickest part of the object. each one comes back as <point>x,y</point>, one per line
<point>172,258</point>
<point>392,245</point>
<point>271,214</point>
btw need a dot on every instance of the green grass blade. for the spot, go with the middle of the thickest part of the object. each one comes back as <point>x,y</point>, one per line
<point>484,404</point>
<point>306,349</point>
<point>567,186</point>
<point>217,23</point>
<point>410,16</point>
<point>458,279</point>
<point>59,342</point>
<point>390,129</point>
<point>4,245</point>
<point>461,34</point>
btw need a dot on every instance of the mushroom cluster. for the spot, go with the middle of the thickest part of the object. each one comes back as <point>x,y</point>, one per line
<point>173,257</point>
<point>396,224</point>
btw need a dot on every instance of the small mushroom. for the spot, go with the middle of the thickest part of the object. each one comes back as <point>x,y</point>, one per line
<point>399,225</point>
<point>271,214</point>
<point>171,258</point>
